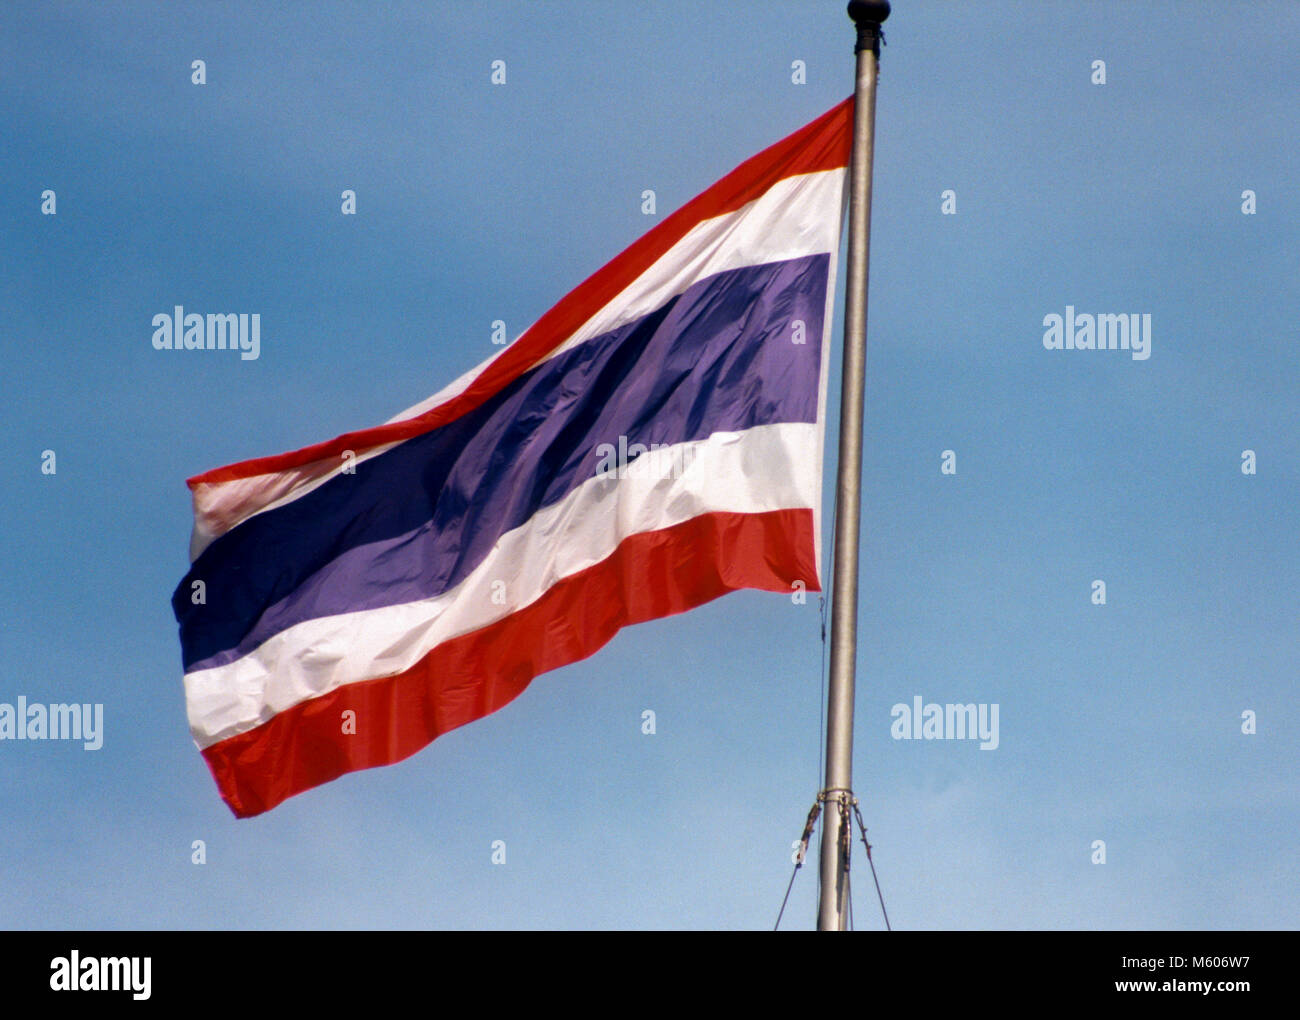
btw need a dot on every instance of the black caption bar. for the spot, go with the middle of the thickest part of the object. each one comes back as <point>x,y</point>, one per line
<point>163,970</point>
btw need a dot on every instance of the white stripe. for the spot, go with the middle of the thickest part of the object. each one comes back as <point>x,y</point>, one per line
<point>796,217</point>
<point>219,506</point>
<point>769,467</point>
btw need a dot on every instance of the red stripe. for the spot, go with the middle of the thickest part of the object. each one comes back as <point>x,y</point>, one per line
<point>650,575</point>
<point>823,144</point>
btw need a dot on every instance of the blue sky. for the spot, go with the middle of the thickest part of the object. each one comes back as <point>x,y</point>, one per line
<point>477,202</point>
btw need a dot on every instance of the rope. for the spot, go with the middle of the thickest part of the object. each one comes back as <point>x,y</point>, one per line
<point>821,707</point>
<point>825,677</point>
<point>821,712</point>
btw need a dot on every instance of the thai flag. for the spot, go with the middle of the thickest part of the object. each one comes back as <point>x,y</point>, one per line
<point>652,442</point>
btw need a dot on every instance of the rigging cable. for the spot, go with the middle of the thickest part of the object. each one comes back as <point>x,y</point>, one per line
<point>808,826</point>
<point>879,894</point>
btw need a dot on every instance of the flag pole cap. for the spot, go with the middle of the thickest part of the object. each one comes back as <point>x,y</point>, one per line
<point>868,10</point>
<point>867,15</point>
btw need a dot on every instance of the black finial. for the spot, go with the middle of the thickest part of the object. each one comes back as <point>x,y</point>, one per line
<point>867,15</point>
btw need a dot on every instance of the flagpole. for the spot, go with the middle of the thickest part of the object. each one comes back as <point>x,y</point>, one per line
<point>832,911</point>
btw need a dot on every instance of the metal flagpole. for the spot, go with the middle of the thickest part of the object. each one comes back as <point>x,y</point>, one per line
<point>832,911</point>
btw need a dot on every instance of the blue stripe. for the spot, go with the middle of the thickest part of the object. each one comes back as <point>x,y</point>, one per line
<point>414,521</point>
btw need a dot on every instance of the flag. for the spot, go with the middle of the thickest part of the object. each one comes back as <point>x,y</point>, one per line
<point>649,444</point>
